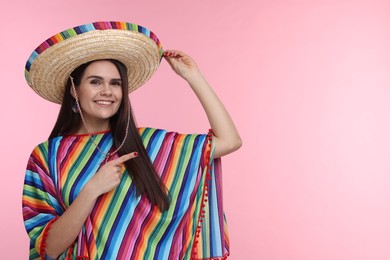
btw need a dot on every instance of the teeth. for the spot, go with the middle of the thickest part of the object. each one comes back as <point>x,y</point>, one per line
<point>102,102</point>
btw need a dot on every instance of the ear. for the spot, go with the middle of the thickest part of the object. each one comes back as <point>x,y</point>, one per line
<point>72,90</point>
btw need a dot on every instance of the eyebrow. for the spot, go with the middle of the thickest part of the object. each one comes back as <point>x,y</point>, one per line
<point>101,78</point>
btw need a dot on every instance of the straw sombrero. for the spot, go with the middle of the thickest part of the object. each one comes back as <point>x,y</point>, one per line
<point>49,66</point>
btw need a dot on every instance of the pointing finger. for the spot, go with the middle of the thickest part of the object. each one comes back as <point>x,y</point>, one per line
<point>125,158</point>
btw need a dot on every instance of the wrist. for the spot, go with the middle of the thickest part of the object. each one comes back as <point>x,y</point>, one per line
<point>194,78</point>
<point>90,190</point>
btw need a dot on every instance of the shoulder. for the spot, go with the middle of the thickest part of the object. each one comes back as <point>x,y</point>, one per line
<point>151,131</point>
<point>43,147</point>
<point>151,135</point>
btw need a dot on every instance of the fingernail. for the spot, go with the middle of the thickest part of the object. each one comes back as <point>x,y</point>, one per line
<point>135,154</point>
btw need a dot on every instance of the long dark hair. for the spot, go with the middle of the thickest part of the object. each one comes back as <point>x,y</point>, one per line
<point>141,168</point>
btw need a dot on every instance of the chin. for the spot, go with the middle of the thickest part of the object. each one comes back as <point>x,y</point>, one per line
<point>105,117</point>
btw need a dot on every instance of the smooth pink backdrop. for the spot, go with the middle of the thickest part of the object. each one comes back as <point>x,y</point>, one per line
<point>307,83</point>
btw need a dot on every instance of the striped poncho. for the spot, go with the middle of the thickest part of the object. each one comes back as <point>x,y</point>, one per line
<point>122,225</point>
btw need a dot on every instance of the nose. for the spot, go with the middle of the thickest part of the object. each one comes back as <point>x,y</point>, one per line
<point>106,90</point>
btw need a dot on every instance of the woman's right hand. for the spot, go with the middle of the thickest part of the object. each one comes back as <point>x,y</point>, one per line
<point>108,176</point>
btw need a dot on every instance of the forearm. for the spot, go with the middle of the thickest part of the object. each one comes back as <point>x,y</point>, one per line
<point>226,136</point>
<point>65,230</point>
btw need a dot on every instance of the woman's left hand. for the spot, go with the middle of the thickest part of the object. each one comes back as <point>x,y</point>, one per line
<point>182,64</point>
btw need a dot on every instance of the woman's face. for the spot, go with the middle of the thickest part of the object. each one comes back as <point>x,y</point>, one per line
<point>100,94</point>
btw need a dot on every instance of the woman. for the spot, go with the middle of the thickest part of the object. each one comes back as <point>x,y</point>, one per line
<point>101,188</point>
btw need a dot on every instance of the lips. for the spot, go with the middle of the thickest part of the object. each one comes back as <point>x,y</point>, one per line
<point>104,102</point>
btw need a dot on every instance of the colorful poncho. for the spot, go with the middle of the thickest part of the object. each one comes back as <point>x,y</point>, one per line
<point>122,225</point>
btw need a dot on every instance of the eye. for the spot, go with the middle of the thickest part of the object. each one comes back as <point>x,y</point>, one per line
<point>116,83</point>
<point>95,82</point>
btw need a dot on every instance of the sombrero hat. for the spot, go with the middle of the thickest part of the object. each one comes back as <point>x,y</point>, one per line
<point>49,66</point>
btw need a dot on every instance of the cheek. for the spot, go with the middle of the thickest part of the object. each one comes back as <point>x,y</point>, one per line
<point>83,93</point>
<point>119,94</point>
<point>83,97</point>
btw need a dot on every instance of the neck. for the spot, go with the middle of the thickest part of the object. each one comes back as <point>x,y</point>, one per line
<point>92,127</point>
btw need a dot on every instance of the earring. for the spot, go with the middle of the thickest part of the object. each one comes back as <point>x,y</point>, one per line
<point>75,108</point>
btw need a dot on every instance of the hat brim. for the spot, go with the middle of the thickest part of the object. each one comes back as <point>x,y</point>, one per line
<point>49,67</point>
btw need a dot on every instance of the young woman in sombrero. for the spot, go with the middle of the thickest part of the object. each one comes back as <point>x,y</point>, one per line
<point>102,188</point>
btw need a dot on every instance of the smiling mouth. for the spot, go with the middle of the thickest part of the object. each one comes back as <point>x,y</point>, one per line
<point>104,102</point>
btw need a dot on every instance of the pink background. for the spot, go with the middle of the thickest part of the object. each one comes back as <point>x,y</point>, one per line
<point>307,83</point>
